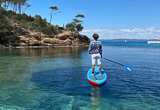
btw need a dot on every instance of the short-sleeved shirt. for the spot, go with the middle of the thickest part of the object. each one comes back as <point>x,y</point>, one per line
<point>95,47</point>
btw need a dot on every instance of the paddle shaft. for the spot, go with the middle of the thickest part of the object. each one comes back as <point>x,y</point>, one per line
<point>95,77</point>
<point>113,61</point>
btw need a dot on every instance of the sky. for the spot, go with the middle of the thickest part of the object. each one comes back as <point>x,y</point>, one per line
<point>111,19</point>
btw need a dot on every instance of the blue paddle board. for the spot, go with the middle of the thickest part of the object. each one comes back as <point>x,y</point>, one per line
<point>96,79</point>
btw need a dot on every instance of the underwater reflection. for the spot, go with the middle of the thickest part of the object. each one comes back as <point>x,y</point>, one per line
<point>95,99</point>
<point>54,51</point>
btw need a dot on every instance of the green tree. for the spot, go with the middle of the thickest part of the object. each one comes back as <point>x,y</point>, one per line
<point>53,8</point>
<point>50,30</point>
<point>79,16</point>
<point>79,27</point>
<point>5,28</point>
<point>71,26</point>
<point>39,23</point>
<point>76,24</point>
<point>0,3</point>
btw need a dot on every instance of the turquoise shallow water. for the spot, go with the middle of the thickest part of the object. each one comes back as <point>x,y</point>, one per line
<point>56,79</point>
<point>130,43</point>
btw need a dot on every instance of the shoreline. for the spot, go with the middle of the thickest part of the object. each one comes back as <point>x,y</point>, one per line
<point>46,46</point>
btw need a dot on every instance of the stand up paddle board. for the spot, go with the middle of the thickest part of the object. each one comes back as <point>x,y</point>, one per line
<point>96,79</point>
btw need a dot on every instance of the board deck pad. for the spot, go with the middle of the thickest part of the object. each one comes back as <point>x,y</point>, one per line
<point>96,79</point>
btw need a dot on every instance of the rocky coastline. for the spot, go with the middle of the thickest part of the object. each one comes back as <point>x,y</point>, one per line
<point>23,38</point>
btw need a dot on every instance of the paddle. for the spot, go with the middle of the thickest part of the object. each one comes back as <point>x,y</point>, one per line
<point>127,67</point>
<point>95,77</point>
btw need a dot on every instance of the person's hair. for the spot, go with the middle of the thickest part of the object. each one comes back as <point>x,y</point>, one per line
<point>95,36</point>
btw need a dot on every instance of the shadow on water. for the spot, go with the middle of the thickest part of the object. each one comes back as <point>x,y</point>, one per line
<point>69,81</point>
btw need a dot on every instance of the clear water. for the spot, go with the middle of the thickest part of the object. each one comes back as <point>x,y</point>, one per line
<point>55,79</point>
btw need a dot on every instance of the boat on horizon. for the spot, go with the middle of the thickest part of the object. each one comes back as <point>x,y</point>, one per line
<point>155,41</point>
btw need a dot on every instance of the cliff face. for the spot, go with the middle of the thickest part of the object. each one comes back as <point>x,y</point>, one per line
<point>23,37</point>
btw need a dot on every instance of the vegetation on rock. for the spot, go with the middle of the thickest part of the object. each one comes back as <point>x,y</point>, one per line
<point>75,25</point>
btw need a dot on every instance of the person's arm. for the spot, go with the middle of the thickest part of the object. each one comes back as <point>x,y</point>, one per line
<point>89,50</point>
<point>100,49</point>
<point>101,54</point>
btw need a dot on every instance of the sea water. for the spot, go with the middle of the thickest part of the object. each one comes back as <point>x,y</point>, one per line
<point>56,78</point>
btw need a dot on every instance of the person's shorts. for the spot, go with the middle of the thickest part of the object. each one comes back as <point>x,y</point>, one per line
<point>96,59</point>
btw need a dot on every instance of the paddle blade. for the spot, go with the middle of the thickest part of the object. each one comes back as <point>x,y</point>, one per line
<point>128,68</point>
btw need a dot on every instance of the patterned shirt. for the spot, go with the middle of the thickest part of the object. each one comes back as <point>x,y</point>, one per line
<point>95,47</point>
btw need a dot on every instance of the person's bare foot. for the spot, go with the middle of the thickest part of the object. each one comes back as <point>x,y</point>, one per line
<point>92,73</point>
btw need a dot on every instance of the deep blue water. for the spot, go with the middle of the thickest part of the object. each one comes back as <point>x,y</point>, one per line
<point>56,78</point>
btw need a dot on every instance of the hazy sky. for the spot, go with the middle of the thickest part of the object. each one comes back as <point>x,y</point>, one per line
<point>111,19</point>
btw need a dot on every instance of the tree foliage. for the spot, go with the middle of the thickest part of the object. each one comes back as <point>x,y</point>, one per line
<point>80,15</point>
<point>77,21</point>
<point>79,27</point>
<point>39,23</point>
<point>71,26</point>
<point>5,27</point>
<point>53,8</point>
<point>76,24</point>
<point>50,30</point>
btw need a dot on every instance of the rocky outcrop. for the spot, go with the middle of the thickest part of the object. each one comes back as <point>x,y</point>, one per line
<point>23,37</point>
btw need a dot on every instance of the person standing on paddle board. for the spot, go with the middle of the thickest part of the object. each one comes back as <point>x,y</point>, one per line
<point>95,49</point>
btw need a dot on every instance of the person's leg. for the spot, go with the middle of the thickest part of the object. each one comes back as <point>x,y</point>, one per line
<point>100,70</point>
<point>99,63</point>
<point>92,70</point>
<point>93,63</point>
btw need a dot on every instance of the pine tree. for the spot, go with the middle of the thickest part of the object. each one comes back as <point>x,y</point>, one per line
<point>53,8</point>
